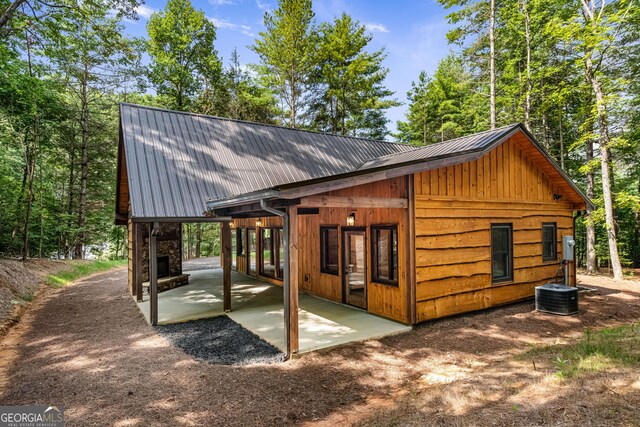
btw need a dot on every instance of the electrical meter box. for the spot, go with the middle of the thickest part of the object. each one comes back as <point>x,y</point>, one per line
<point>567,247</point>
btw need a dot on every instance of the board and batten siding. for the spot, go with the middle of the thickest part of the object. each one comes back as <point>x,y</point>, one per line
<point>455,207</point>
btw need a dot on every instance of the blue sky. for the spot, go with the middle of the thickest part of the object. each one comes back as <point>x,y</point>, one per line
<point>412,32</point>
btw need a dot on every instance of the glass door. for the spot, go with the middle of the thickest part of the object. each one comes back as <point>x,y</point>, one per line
<point>251,251</point>
<point>354,279</point>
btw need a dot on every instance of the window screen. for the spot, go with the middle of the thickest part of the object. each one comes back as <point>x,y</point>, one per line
<point>501,252</point>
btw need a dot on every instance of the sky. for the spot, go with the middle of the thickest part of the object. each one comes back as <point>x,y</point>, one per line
<point>413,33</point>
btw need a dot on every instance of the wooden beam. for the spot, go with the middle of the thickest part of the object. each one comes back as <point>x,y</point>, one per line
<point>154,228</point>
<point>138,243</point>
<point>353,202</point>
<point>291,307</point>
<point>226,265</point>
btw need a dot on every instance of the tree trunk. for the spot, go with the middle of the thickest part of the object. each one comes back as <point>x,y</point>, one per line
<point>292,83</point>
<point>592,268</point>
<point>84,166</point>
<point>605,163</point>
<point>72,167</point>
<point>492,64</point>
<point>527,39</point>
<point>8,13</point>
<point>198,239</point>
<point>30,193</point>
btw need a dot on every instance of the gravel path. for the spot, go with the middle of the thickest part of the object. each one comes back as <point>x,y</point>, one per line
<point>222,341</point>
<point>204,263</point>
<point>88,347</point>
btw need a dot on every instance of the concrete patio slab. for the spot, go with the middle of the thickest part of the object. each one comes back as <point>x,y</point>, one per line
<point>258,306</point>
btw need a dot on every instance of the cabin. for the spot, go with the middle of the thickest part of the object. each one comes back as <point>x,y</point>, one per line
<point>402,232</point>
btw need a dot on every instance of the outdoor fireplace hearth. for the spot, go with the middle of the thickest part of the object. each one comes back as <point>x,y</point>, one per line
<point>163,266</point>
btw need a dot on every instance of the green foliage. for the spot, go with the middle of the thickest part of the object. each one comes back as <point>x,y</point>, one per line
<point>597,351</point>
<point>286,50</point>
<point>184,62</point>
<point>349,96</point>
<point>443,107</point>
<point>79,269</point>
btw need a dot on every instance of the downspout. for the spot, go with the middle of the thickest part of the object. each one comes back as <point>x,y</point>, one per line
<point>285,282</point>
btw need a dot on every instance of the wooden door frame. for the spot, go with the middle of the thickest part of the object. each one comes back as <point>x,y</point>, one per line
<point>343,276</point>
<point>248,250</point>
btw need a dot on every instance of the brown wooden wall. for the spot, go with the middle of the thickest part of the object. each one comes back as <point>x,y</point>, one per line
<point>454,209</point>
<point>383,300</point>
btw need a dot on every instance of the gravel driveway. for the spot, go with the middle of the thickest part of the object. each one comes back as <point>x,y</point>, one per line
<point>88,347</point>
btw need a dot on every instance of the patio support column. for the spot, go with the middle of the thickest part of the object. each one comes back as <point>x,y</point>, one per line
<point>153,274</point>
<point>226,265</point>
<point>291,304</point>
<point>138,242</point>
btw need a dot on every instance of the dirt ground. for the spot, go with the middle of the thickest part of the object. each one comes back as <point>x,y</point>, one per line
<point>88,347</point>
<point>20,282</point>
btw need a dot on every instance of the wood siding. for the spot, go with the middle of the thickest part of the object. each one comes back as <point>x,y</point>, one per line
<point>384,300</point>
<point>454,209</point>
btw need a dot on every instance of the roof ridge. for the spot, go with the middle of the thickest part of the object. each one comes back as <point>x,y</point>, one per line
<point>403,144</point>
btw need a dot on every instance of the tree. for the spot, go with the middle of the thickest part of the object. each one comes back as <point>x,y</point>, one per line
<point>286,50</point>
<point>184,62</point>
<point>479,19</point>
<point>597,30</point>
<point>442,107</point>
<point>350,95</point>
<point>93,59</point>
<point>247,99</point>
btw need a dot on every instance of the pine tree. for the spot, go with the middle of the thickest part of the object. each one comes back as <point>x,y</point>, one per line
<point>286,50</point>
<point>350,98</point>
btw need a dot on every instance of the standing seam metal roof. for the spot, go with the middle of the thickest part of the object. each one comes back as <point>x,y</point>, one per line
<point>177,161</point>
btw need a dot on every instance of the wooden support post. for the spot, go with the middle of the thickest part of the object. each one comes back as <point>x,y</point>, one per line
<point>138,244</point>
<point>153,274</point>
<point>291,296</point>
<point>226,265</point>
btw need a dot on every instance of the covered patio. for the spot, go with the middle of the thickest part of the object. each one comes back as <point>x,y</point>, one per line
<point>258,307</point>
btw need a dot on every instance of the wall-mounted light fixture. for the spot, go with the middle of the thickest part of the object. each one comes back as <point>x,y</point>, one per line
<point>557,197</point>
<point>232,224</point>
<point>258,222</point>
<point>351,219</point>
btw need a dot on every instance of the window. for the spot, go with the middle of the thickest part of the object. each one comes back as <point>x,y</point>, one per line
<point>501,252</point>
<point>384,254</point>
<point>329,250</point>
<point>234,250</point>
<point>271,252</point>
<point>240,241</point>
<point>549,241</point>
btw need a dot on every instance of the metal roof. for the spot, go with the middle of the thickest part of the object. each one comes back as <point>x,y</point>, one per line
<point>471,143</point>
<point>177,161</point>
<point>179,164</point>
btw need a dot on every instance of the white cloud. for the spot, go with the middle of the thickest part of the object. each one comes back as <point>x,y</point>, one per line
<point>263,5</point>
<point>145,11</point>
<point>222,23</point>
<point>221,2</point>
<point>376,28</point>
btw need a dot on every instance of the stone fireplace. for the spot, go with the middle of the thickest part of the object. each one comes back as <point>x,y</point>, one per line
<point>169,253</point>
